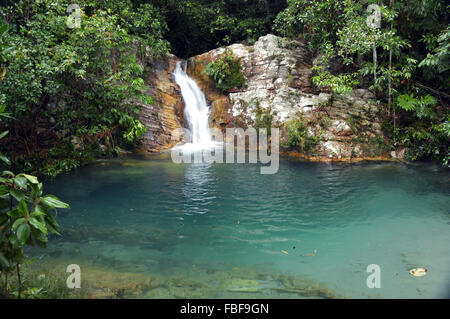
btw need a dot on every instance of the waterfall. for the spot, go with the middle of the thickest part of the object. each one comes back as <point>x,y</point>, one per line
<point>196,110</point>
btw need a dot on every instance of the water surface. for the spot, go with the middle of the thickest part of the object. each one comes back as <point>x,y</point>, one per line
<point>225,230</point>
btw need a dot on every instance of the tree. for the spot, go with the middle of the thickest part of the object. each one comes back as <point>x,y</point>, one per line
<point>25,214</point>
<point>385,60</point>
<point>77,83</point>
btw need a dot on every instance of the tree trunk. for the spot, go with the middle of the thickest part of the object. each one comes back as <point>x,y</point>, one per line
<point>390,82</point>
<point>19,281</point>
<point>6,282</point>
<point>390,76</point>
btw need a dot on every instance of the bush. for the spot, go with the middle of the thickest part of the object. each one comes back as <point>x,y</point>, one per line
<point>65,82</point>
<point>424,131</point>
<point>297,136</point>
<point>226,72</point>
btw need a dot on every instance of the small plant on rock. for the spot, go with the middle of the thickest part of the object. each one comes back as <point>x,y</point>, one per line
<point>226,72</point>
<point>298,137</point>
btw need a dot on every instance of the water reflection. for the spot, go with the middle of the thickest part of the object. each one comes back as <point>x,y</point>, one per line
<point>199,188</point>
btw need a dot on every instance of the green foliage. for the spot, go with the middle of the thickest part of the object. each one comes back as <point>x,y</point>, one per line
<point>423,106</point>
<point>297,136</point>
<point>40,282</point>
<point>317,21</point>
<point>340,84</point>
<point>82,83</point>
<point>25,213</point>
<point>5,47</point>
<point>439,58</point>
<point>263,118</point>
<point>197,26</point>
<point>410,46</point>
<point>135,129</point>
<point>62,80</point>
<point>25,219</point>
<point>426,132</point>
<point>226,72</point>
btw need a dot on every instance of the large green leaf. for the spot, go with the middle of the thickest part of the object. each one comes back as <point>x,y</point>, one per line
<point>18,222</point>
<point>21,181</point>
<point>39,225</point>
<point>3,134</point>
<point>52,229</point>
<point>9,173</point>
<point>34,192</point>
<point>51,221</point>
<point>23,233</point>
<point>36,189</point>
<point>4,159</point>
<point>32,179</point>
<point>54,202</point>
<point>23,208</point>
<point>38,211</point>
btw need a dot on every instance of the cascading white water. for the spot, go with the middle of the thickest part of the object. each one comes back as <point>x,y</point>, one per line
<point>196,109</point>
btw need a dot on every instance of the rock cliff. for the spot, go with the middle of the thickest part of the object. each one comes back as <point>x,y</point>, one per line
<point>166,113</point>
<point>278,74</point>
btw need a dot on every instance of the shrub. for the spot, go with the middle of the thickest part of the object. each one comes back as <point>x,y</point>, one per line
<point>297,136</point>
<point>263,117</point>
<point>226,72</point>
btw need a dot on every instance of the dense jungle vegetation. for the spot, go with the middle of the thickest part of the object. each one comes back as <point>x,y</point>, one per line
<point>69,93</point>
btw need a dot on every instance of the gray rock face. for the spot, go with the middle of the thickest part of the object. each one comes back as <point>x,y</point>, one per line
<point>278,74</point>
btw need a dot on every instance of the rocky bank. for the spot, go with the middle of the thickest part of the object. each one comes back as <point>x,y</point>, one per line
<point>278,75</point>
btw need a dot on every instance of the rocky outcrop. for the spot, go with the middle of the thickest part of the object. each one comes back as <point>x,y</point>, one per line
<point>278,73</point>
<point>165,114</point>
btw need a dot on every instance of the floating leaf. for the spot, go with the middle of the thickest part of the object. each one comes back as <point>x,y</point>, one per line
<point>418,272</point>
